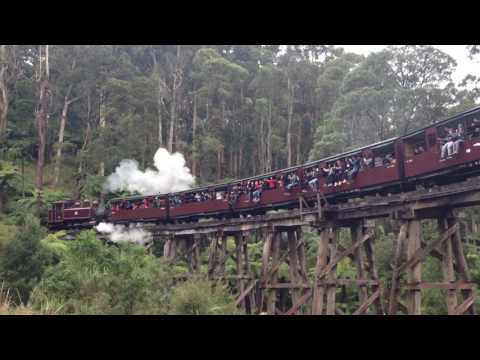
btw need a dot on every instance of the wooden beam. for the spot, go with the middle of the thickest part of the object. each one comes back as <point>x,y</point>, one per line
<point>212,256</point>
<point>356,232</point>
<point>415,271</point>
<point>364,307</point>
<point>332,289</point>
<point>299,303</point>
<point>461,262</point>
<point>239,265</point>
<point>369,251</point>
<point>319,207</point>
<point>245,292</point>
<point>421,254</point>
<point>462,308</point>
<point>267,247</point>
<point>319,291</point>
<point>447,265</point>
<point>272,276</point>
<point>350,250</point>
<point>302,263</point>
<point>440,285</point>
<point>335,282</point>
<point>293,265</point>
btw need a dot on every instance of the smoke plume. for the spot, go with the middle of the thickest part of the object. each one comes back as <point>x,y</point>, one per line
<point>170,175</point>
<point>120,233</point>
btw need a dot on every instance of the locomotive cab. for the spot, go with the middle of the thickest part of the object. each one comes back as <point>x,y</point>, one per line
<point>55,213</point>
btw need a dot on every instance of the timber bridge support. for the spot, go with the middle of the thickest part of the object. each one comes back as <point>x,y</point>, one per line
<point>281,281</point>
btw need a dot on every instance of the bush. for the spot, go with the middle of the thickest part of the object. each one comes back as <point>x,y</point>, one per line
<point>94,278</point>
<point>197,296</point>
<point>25,259</point>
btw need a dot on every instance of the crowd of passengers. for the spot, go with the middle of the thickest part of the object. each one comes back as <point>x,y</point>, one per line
<point>336,173</point>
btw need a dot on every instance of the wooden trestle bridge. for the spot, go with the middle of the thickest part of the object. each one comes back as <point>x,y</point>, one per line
<point>283,242</point>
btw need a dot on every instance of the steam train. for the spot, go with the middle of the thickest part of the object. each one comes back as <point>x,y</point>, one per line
<point>409,168</point>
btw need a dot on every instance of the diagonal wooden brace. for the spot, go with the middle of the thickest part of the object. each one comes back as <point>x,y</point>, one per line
<point>462,308</point>
<point>342,255</point>
<point>245,293</point>
<point>368,302</point>
<point>421,254</point>
<point>299,303</point>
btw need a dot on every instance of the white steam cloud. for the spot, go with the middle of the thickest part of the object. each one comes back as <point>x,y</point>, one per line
<point>120,233</point>
<point>170,175</point>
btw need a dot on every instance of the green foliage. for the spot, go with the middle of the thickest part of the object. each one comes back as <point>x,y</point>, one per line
<point>55,244</point>
<point>93,278</point>
<point>8,175</point>
<point>94,186</point>
<point>24,259</point>
<point>7,233</point>
<point>198,296</point>
<point>38,204</point>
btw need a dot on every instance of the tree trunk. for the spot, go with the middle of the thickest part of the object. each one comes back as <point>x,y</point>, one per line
<point>3,91</point>
<point>194,136</point>
<point>262,145</point>
<point>87,136</point>
<point>160,105</point>
<point>219,163</point>
<point>289,127</point>
<point>269,137</point>
<point>102,126</point>
<point>172,118</point>
<point>156,73</point>
<point>63,121</point>
<point>173,105</point>
<point>240,162</point>
<point>236,155</point>
<point>41,118</point>
<point>299,142</point>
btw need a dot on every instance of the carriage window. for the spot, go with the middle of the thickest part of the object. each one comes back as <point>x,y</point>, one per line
<point>455,126</point>
<point>473,127</point>
<point>384,155</point>
<point>415,145</point>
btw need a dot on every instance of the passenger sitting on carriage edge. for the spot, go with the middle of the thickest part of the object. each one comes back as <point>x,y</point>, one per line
<point>312,181</point>
<point>258,192</point>
<point>368,161</point>
<point>271,183</point>
<point>388,159</point>
<point>330,175</point>
<point>355,167</point>
<point>458,139</point>
<point>294,180</point>
<point>447,148</point>
<point>339,173</point>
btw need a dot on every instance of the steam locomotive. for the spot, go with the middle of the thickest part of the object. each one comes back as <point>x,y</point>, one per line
<point>408,168</point>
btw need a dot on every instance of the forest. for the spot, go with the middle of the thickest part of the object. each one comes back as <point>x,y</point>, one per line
<point>70,113</point>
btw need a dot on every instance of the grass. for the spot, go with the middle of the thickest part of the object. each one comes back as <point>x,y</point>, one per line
<point>8,307</point>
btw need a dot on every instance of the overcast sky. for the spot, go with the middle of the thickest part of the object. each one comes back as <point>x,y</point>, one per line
<point>465,66</point>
